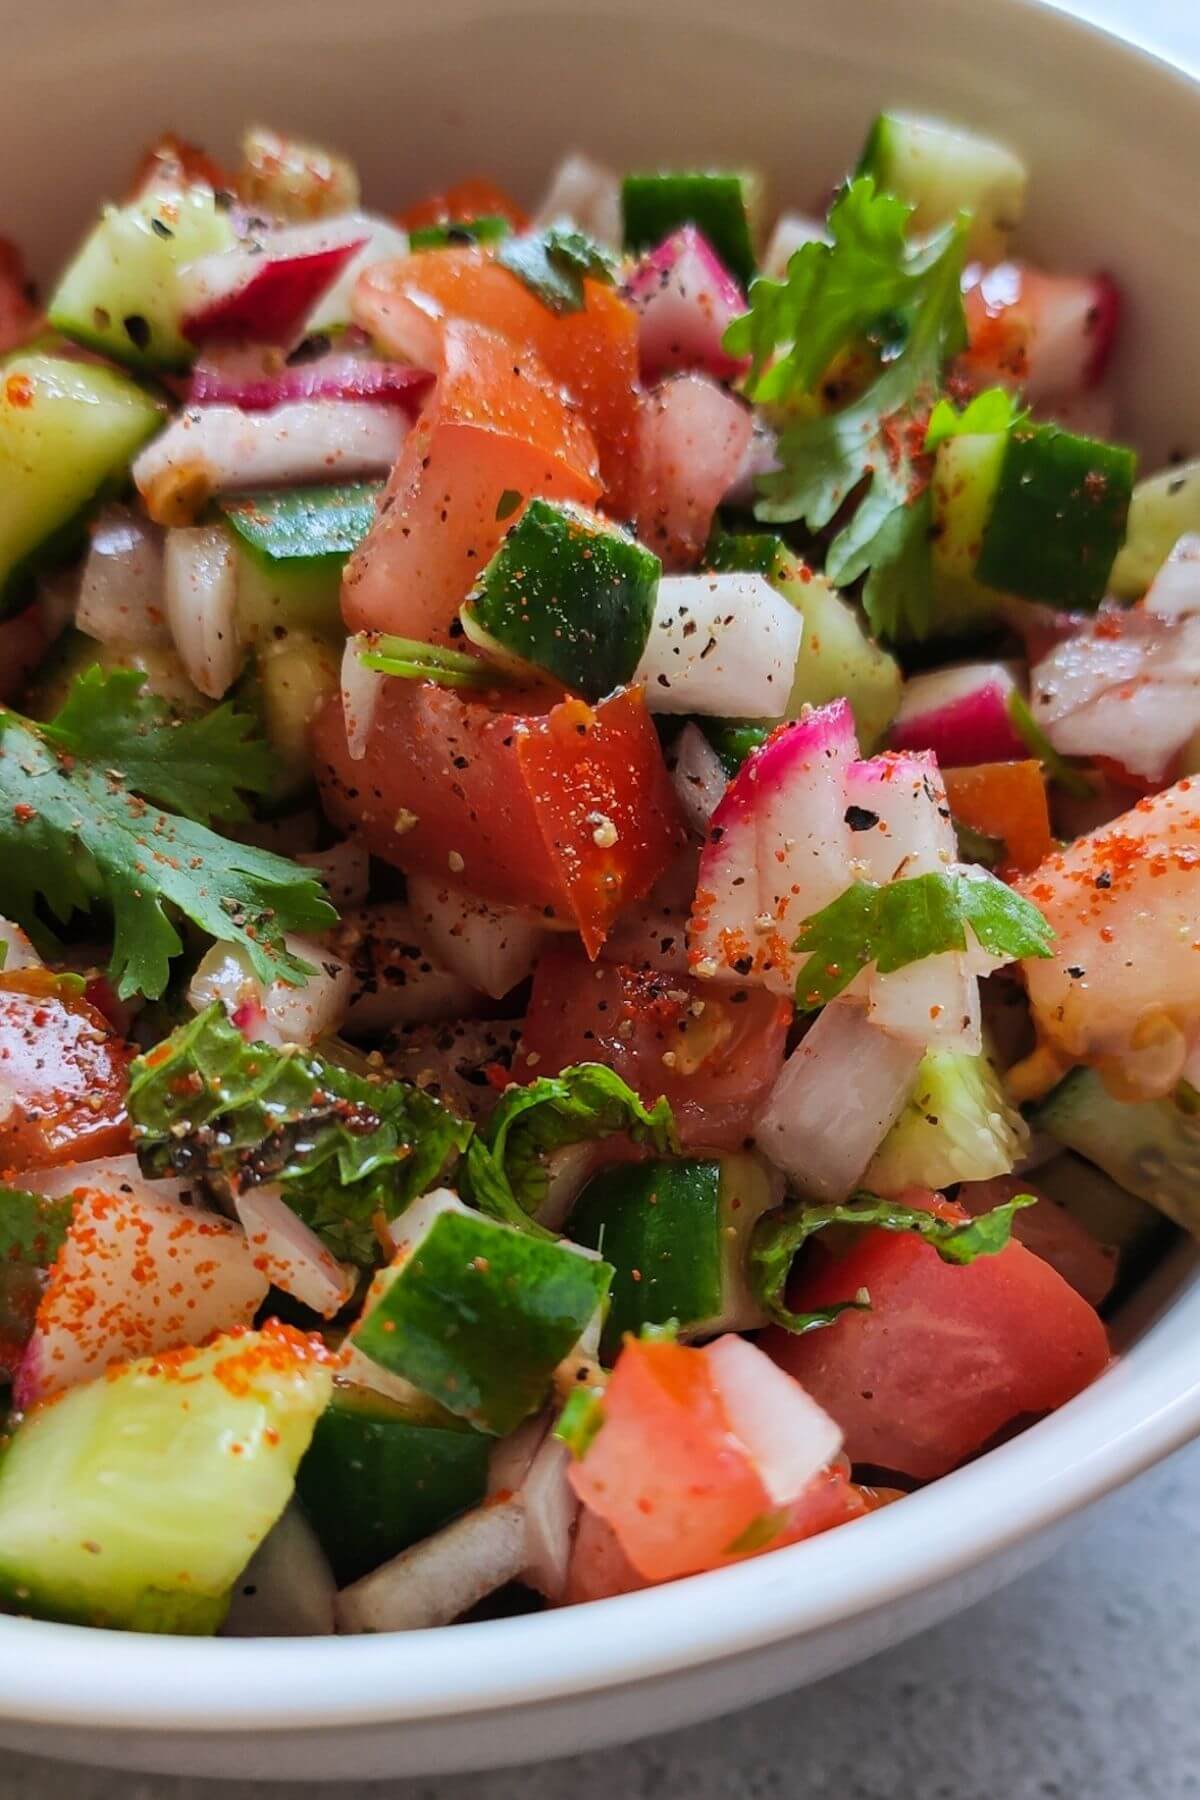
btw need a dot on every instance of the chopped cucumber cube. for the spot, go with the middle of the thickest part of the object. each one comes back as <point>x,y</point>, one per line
<point>120,296</point>
<point>296,675</point>
<point>136,1501</point>
<point>721,204</point>
<point>676,1233</point>
<point>1058,516</point>
<point>569,593</point>
<point>68,432</point>
<point>478,1315</point>
<point>1151,1148</point>
<point>940,170</point>
<point>1110,1213</point>
<point>957,1125</point>
<point>379,1475</point>
<point>1163,507</point>
<point>292,547</point>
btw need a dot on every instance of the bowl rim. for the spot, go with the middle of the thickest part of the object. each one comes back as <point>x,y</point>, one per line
<point>1144,1407</point>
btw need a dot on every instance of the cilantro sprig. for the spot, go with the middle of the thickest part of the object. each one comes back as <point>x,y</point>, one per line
<point>872,452</point>
<point>903,922</point>
<point>411,660</point>
<point>553,264</point>
<point>79,827</point>
<point>780,1236</point>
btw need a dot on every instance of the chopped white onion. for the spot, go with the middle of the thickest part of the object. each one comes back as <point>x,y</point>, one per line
<point>200,599</point>
<point>512,1456</point>
<point>789,1437</point>
<point>491,948</point>
<point>287,1587</point>
<point>550,1512</point>
<point>1175,591</point>
<point>397,978</point>
<point>589,195</point>
<point>19,953</point>
<point>1125,686</point>
<point>225,449</point>
<point>792,231</point>
<point>697,777</point>
<point>361,688</point>
<point>837,1096</point>
<point>443,1576</point>
<point>279,1013</point>
<point>289,1253</point>
<point>121,586</point>
<point>345,869</point>
<point>720,644</point>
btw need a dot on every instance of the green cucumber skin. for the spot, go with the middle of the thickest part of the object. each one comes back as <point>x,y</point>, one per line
<point>659,1224</point>
<point>568,593</point>
<point>715,202</point>
<point>939,170</point>
<point>479,1316</point>
<point>1151,1148</point>
<point>304,526</point>
<point>377,1478</point>
<point>745,552</point>
<point>1058,518</point>
<point>733,740</point>
<point>1163,508</point>
<point>488,229</point>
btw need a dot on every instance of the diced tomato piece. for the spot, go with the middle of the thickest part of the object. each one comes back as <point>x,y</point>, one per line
<point>18,313</point>
<point>63,1074</point>
<point>172,160</point>
<point>476,197</point>
<point>495,427</point>
<point>714,1051</point>
<point>568,811</point>
<point>1005,800</point>
<point>599,1568</point>
<point>1051,1232</point>
<point>592,353</point>
<point>680,1490</point>
<point>946,1356</point>
<point>23,642</point>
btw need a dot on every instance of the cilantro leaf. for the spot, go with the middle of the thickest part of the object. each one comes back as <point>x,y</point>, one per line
<point>990,414</point>
<point>507,1171</point>
<point>344,1148</point>
<point>32,1230</point>
<point>905,921</point>
<point>872,452</point>
<point>73,833</point>
<point>831,294</point>
<point>414,661</point>
<point>195,767</point>
<point>553,263</point>
<point>779,1237</point>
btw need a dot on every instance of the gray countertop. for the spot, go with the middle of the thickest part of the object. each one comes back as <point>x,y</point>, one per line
<point>1079,1681</point>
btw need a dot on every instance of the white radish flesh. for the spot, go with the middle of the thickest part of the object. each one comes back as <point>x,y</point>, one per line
<point>1125,686</point>
<point>289,1254</point>
<point>692,437</point>
<point>589,195</point>
<point>491,948</point>
<point>725,645</point>
<point>384,241</point>
<point>200,600</point>
<point>837,1097</point>
<point>287,1587</point>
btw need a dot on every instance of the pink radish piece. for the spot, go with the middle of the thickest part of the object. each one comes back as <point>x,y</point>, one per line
<point>137,1274</point>
<point>821,1125</point>
<point>685,298</point>
<point>692,437</point>
<point>338,376</point>
<point>264,288</point>
<point>289,1254</point>
<point>961,714</point>
<point>778,850</point>
<point>1049,335</point>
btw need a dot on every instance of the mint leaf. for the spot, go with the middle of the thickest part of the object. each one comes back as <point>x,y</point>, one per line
<point>74,833</point>
<point>553,263</point>
<point>585,1102</point>
<point>197,767</point>
<point>414,661</point>
<point>830,297</point>
<point>989,414</point>
<point>779,1237</point>
<point>344,1148</point>
<point>872,451</point>
<point>905,921</point>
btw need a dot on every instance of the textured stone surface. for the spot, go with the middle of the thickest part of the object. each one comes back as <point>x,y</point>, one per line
<point>1078,1681</point>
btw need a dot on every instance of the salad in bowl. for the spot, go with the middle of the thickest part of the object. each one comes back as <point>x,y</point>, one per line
<point>600,866</point>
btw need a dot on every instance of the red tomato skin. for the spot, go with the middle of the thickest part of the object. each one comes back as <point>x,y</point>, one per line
<point>495,426</point>
<point>68,1072</point>
<point>475,197</point>
<point>599,1568</point>
<point>723,1059</point>
<point>502,801</point>
<point>946,1356</point>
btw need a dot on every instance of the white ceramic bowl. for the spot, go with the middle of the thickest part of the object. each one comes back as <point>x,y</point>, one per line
<point>420,93</point>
